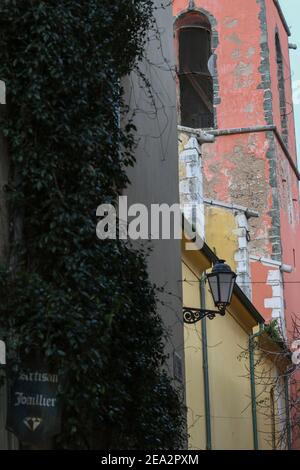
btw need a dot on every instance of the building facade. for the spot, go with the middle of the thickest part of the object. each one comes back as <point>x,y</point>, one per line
<point>236,391</point>
<point>235,98</point>
<point>238,182</point>
<point>253,160</point>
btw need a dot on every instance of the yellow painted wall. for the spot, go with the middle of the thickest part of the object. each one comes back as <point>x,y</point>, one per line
<point>229,376</point>
<point>221,237</point>
<point>229,385</point>
<point>229,390</point>
<point>193,365</point>
<point>219,233</point>
<point>268,377</point>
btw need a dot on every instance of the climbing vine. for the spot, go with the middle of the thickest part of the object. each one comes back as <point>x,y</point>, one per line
<point>86,305</point>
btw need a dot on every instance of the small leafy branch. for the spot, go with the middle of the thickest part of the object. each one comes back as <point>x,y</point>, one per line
<point>273,329</point>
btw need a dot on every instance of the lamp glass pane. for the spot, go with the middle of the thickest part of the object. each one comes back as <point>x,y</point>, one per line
<point>226,284</point>
<point>233,277</point>
<point>214,287</point>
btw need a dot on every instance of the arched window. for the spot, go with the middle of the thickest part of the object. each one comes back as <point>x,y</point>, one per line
<point>193,33</point>
<point>281,90</point>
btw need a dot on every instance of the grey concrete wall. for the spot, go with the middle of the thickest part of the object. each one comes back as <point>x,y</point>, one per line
<point>155,177</point>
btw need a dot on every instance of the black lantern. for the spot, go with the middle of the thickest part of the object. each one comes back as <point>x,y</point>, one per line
<point>221,282</point>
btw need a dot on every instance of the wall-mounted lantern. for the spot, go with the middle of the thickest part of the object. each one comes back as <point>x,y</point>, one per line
<point>221,282</point>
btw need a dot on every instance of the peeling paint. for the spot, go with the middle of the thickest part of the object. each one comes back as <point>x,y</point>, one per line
<point>230,23</point>
<point>234,38</point>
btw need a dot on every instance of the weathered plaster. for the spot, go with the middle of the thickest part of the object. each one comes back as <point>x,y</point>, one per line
<point>191,182</point>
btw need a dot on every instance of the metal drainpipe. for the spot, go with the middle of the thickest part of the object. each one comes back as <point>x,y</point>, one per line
<point>253,387</point>
<point>205,367</point>
<point>287,412</point>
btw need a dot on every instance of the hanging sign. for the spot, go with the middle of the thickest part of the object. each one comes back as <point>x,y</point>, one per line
<point>34,408</point>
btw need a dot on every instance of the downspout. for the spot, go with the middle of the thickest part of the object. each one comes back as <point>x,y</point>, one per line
<point>287,412</point>
<point>205,367</point>
<point>253,386</point>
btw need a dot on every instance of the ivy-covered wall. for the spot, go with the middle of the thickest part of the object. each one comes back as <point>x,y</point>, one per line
<point>86,304</point>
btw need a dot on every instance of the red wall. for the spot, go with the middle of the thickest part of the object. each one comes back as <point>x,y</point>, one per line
<point>237,167</point>
<point>235,21</point>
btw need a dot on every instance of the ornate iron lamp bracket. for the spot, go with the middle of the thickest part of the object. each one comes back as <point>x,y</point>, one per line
<point>193,315</point>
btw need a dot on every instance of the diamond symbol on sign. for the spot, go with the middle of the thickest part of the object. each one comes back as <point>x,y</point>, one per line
<point>32,423</point>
